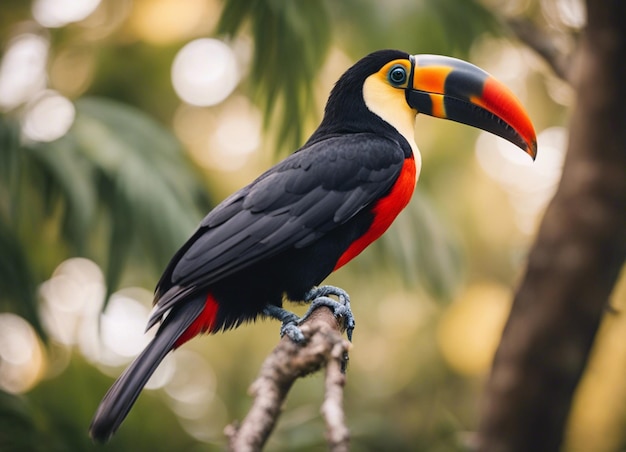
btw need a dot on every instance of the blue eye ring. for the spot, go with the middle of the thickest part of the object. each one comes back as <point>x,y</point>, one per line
<point>397,75</point>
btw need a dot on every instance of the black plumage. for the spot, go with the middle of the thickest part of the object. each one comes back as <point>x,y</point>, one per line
<point>285,214</point>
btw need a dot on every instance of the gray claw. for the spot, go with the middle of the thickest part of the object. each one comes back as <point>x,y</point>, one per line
<point>292,331</point>
<point>318,296</point>
<point>289,321</point>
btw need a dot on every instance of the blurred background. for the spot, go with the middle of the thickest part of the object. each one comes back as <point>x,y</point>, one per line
<point>123,121</point>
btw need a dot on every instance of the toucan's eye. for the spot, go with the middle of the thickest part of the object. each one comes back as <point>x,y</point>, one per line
<point>397,75</point>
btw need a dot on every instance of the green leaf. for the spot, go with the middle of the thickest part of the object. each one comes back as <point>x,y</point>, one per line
<point>152,193</point>
<point>18,286</point>
<point>291,41</point>
<point>10,157</point>
<point>18,431</point>
<point>68,178</point>
<point>117,185</point>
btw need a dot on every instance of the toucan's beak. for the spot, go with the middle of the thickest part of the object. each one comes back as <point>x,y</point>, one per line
<point>453,89</point>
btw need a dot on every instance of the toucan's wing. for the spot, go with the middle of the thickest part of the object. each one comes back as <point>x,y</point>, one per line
<point>294,203</point>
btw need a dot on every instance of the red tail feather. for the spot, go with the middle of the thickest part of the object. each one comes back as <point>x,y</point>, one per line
<point>203,323</point>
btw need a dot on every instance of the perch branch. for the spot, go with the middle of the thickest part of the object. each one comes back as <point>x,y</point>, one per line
<point>337,433</point>
<point>324,346</point>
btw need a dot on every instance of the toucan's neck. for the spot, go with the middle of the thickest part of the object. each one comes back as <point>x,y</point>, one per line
<point>347,113</point>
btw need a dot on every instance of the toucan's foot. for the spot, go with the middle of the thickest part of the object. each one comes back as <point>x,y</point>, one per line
<point>319,296</point>
<point>289,321</point>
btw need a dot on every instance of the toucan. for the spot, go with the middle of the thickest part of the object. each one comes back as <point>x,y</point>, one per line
<point>280,236</point>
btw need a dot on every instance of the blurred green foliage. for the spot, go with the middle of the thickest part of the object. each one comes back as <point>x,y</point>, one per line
<point>285,84</point>
<point>112,187</point>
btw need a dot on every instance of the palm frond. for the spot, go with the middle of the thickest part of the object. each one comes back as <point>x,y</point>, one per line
<point>117,184</point>
<point>18,284</point>
<point>291,41</point>
<point>141,179</point>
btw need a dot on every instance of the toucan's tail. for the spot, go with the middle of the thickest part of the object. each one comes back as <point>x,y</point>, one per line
<point>122,395</point>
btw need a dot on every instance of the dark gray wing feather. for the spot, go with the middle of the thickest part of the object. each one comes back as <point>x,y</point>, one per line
<point>306,195</point>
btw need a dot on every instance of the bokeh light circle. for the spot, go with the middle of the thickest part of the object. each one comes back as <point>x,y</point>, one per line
<point>205,72</point>
<point>23,69</point>
<point>58,13</point>
<point>48,117</point>
<point>21,357</point>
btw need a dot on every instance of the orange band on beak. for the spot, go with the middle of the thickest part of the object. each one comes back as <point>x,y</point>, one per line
<point>433,80</point>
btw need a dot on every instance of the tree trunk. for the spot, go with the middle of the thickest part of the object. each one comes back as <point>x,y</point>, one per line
<point>575,261</point>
